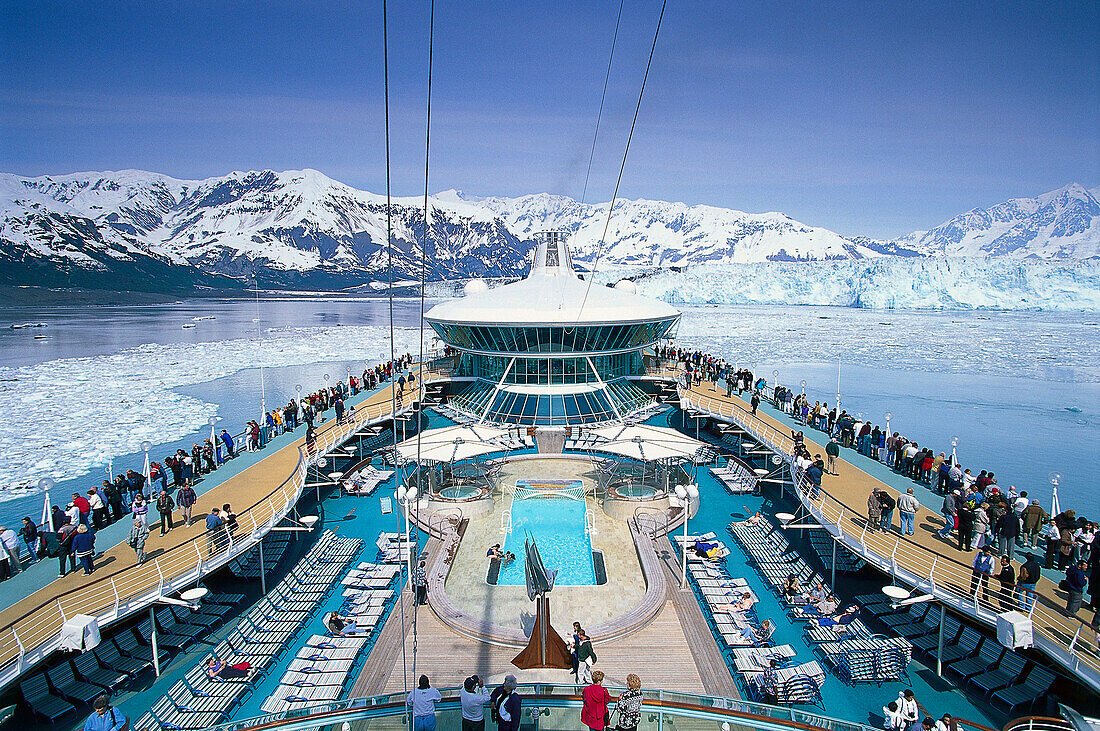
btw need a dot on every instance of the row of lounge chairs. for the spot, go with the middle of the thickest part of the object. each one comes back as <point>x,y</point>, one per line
<point>58,691</point>
<point>319,674</point>
<point>737,478</point>
<point>982,664</point>
<point>851,649</point>
<point>365,480</point>
<point>795,684</point>
<point>248,565</point>
<point>259,638</point>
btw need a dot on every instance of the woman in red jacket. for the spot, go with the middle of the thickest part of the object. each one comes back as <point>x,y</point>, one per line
<point>594,711</point>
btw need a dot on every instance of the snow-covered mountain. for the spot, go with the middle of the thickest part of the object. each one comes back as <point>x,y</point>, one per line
<point>140,230</point>
<point>656,233</point>
<point>1061,224</point>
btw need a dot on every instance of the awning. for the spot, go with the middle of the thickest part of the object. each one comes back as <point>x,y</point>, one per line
<point>453,444</point>
<point>650,443</point>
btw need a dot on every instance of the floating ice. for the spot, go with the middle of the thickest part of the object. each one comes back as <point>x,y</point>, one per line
<point>66,417</point>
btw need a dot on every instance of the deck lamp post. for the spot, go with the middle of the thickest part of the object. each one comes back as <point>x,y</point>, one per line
<point>45,485</point>
<point>775,384</point>
<point>298,403</point>
<point>145,447</point>
<point>888,416</point>
<point>405,495</point>
<point>189,599</point>
<point>954,451</point>
<point>803,384</point>
<point>214,439</point>
<point>1055,479</point>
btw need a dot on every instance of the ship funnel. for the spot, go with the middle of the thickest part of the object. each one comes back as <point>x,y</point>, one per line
<point>552,254</point>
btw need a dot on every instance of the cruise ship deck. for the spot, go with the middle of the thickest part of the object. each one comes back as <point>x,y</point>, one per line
<point>561,428</point>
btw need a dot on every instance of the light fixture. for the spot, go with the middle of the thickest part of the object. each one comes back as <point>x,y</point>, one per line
<point>46,483</point>
<point>1055,478</point>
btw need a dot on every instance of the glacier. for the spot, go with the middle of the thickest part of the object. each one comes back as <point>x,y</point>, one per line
<point>880,284</point>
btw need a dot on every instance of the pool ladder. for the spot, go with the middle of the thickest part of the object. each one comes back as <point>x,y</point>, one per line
<point>506,522</point>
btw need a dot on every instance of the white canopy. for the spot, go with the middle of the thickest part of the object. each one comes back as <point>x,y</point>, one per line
<point>453,444</point>
<point>648,443</point>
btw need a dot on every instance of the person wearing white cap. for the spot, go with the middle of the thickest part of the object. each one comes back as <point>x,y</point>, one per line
<point>505,704</point>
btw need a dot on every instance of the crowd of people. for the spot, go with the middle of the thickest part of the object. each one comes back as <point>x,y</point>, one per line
<point>169,486</point>
<point>995,522</point>
<point>505,704</point>
<point>904,714</point>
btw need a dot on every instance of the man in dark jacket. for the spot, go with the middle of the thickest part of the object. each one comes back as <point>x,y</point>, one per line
<point>505,704</point>
<point>1033,517</point>
<point>1076,580</point>
<point>1007,528</point>
<point>165,506</point>
<point>948,510</point>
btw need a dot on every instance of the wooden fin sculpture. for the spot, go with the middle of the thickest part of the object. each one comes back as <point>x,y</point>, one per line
<point>546,648</point>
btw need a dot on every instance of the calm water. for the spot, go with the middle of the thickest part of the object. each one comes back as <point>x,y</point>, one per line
<point>1020,390</point>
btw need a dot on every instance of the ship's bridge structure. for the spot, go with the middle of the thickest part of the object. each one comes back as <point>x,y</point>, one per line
<point>552,349</point>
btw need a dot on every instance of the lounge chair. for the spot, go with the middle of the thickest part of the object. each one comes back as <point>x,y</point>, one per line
<point>929,643</point>
<point>1036,684</point>
<point>987,658</point>
<point>128,646</point>
<point>36,693</point>
<point>109,657</point>
<point>89,670</point>
<point>1009,671</point>
<point>65,684</point>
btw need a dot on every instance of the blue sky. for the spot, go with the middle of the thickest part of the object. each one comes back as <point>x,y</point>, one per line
<point>867,118</point>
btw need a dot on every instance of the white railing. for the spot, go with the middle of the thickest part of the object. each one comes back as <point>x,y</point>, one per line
<point>1057,634</point>
<point>31,637</point>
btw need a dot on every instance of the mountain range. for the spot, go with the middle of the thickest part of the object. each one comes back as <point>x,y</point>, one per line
<point>144,231</point>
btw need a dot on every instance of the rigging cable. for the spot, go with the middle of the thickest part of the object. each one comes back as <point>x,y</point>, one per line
<point>603,96</point>
<point>398,472</point>
<point>622,167</point>
<point>423,269</point>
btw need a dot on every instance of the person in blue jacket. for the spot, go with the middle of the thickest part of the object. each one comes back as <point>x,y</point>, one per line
<point>227,440</point>
<point>105,717</point>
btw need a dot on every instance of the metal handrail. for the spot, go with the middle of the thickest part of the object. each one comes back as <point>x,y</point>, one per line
<point>1038,723</point>
<point>536,697</point>
<point>33,635</point>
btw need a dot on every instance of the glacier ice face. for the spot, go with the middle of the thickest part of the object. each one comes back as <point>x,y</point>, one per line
<point>894,283</point>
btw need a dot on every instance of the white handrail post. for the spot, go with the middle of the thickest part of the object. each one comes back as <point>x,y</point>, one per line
<point>22,650</point>
<point>1074,640</point>
<point>62,611</point>
<point>160,583</point>
<point>114,588</point>
<point>198,566</point>
<point>932,572</point>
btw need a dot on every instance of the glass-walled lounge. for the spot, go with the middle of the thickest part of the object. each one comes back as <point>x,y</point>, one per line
<point>556,339</point>
<point>554,371</point>
<point>526,408</point>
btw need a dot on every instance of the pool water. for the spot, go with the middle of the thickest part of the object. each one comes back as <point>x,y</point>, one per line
<point>459,493</point>
<point>557,526</point>
<point>636,492</point>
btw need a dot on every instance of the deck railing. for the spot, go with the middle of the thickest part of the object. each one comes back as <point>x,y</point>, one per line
<point>33,635</point>
<point>1059,635</point>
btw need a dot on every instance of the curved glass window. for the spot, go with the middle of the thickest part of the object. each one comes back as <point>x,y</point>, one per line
<point>556,339</point>
<point>555,409</point>
<point>546,370</point>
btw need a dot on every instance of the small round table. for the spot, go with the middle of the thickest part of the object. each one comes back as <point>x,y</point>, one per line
<point>897,593</point>
<point>193,595</point>
<point>760,471</point>
<point>335,476</point>
<point>308,521</point>
<point>784,517</point>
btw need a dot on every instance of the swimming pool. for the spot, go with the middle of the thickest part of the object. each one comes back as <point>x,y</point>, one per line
<point>555,519</point>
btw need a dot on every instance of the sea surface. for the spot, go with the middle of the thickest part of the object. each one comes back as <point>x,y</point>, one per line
<point>1020,390</point>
